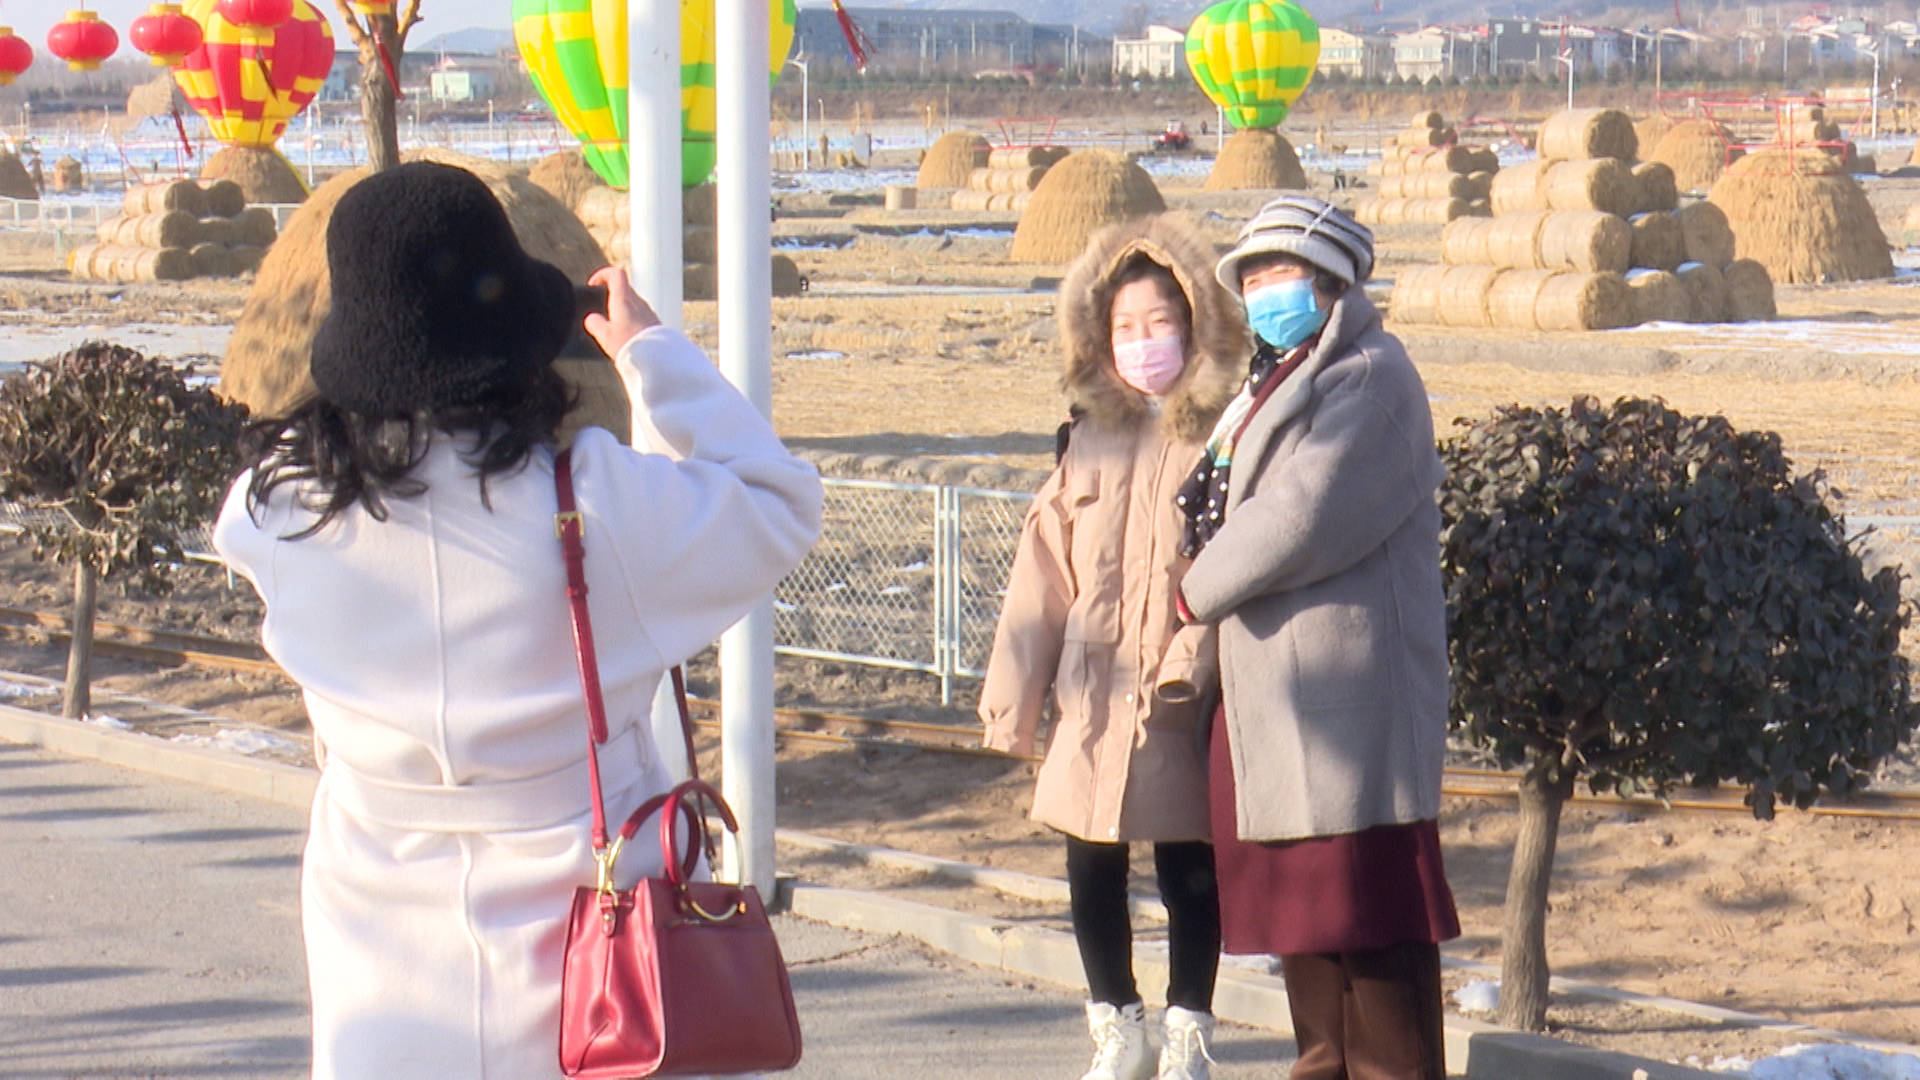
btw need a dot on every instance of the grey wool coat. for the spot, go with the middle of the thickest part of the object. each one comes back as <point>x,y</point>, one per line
<point>1089,614</point>
<point>1325,583</point>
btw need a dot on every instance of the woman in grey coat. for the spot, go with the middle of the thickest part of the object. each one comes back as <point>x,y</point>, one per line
<point>1315,537</point>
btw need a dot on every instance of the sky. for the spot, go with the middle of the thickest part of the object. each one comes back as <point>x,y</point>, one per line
<point>31,19</point>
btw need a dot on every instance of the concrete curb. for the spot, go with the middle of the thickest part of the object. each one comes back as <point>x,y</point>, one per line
<point>1474,1049</point>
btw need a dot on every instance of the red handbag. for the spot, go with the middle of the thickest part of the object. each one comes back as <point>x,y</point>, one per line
<point>673,977</point>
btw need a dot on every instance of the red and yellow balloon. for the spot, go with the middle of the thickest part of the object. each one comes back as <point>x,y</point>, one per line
<point>250,81</point>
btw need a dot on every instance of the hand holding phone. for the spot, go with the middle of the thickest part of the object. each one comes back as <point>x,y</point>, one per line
<point>626,314</point>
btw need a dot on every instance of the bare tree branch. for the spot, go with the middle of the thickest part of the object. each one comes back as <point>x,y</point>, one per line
<point>361,39</point>
<point>409,19</point>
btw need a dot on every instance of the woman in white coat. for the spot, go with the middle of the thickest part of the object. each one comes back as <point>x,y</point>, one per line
<point>401,531</point>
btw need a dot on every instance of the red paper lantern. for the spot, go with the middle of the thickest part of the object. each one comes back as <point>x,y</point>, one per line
<point>255,14</point>
<point>16,55</point>
<point>166,34</point>
<point>82,40</point>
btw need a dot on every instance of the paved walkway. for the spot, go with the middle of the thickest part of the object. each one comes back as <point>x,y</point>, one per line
<point>150,928</point>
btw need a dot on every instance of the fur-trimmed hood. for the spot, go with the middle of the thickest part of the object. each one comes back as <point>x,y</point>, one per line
<point>1218,347</point>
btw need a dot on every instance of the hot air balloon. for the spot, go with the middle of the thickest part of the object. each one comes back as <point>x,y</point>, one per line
<point>576,51</point>
<point>249,83</point>
<point>1253,58</point>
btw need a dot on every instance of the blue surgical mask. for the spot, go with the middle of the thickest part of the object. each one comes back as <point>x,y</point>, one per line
<point>1286,313</point>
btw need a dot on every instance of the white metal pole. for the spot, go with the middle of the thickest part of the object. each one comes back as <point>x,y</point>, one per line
<point>654,236</point>
<point>745,106</point>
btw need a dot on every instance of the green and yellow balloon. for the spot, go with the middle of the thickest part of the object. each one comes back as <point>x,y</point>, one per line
<point>576,51</point>
<point>1253,58</point>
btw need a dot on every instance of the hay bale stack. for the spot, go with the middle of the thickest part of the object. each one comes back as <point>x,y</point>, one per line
<point>1697,151</point>
<point>260,171</point>
<point>951,157</point>
<point>1803,218</point>
<point>1515,295</point>
<point>1706,234</point>
<point>1082,194</point>
<point>1463,296</point>
<point>1425,138</point>
<point>1576,134</point>
<point>1657,189</point>
<point>1658,296</point>
<point>1416,295</point>
<point>1025,157</point>
<point>1415,211</point>
<point>1587,241</point>
<point>69,174</point>
<point>15,183</point>
<point>1658,242</point>
<point>223,199</point>
<point>566,176</point>
<point>1706,291</point>
<point>1749,291</point>
<point>1584,302</point>
<point>1256,160</point>
<point>1427,119</point>
<point>266,361</point>
<point>171,229</point>
<point>1520,188</point>
<point>1435,185</point>
<point>1008,181</point>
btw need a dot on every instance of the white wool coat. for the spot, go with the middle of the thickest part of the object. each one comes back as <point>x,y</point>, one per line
<point>451,822</point>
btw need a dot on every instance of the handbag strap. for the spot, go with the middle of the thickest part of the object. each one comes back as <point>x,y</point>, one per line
<point>571,529</point>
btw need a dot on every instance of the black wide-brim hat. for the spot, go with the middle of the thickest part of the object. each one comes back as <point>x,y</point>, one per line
<point>435,304</point>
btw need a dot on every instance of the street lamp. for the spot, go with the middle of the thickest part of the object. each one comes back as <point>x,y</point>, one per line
<point>806,152</point>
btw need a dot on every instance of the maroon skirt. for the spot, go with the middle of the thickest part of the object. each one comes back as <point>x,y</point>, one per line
<point>1325,894</point>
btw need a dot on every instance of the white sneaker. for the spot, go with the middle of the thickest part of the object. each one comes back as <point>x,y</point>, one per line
<point>1183,1050</point>
<point>1120,1050</point>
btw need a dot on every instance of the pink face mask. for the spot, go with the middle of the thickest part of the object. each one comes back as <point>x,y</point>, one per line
<point>1150,365</point>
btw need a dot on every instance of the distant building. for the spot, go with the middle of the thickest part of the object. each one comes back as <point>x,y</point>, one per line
<point>1159,54</point>
<point>457,83</point>
<point>1423,54</point>
<point>343,78</point>
<point>1069,48</point>
<point>1355,56</point>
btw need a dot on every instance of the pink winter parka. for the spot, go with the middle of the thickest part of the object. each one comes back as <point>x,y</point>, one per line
<point>1089,611</point>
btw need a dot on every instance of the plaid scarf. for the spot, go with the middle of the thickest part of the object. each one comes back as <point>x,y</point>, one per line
<point>1203,498</point>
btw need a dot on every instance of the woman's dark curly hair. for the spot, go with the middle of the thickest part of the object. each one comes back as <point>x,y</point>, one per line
<point>342,458</point>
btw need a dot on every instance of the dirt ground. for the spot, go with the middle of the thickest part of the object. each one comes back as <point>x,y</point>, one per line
<point>918,339</point>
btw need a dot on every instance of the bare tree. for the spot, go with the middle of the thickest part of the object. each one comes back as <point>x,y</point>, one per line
<point>382,41</point>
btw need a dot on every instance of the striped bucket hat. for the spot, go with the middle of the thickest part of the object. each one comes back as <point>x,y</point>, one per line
<point>1308,228</point>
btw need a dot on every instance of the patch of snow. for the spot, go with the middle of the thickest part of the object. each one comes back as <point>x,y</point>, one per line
<point>240,741</point>
<point>108,722</point>
<point>913,567</point>
<point>1478,996</point>
<point>10,689</point>
<point>817,354</point>
<point>1832,1061</point>
<point>785,608</point>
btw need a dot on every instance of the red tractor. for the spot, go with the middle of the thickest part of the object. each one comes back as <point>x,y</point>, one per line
<point>1174,139</point>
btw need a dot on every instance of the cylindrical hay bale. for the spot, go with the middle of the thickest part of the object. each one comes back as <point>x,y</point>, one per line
<point>173,229</point>
<point>900,197</point>
<point>1480,182</point>
<point>1449,159</point>
<point>1584,302</point>
<point>1465,242</point>
<point>786,277</point>
<point>1512,297</point>
<point>700,281</point>
<point>1389,187</point>
<point>221,198</point>
<point>969,200</point>
<point>1658,296</point>
<point>1749,291</point>
<point>601,209</point>
<point>980,179</point>
<point>212,260</point>
<point>1427,118</point>
<point>246,258</point>
<point>1658,242</point>
<point>1523,187</point>
<point>1658,189</point>
<point>1485,159</point>
<point>80,261</point>
<point>1426,138</point>
<point>1027,179</point>
<point>1000,200</point>
<point>255,226</point>
<point>1363,211</point>
<point>1514,239</point>
<point>183,195</point>
<point>1589,133</point>
<point>219,230</point>
<point>1706,290</point>
<point>1586,241</point>
<point>163,264</point>
<point>1604,184</point>
<point>1416,295</point>
<point>699,205</point>
<point>1707,236</point>
<point>1463,295</point>
<point>1017,157</point>
<point>1814,131</point>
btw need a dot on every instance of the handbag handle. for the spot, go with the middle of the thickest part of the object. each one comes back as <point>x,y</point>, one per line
<point>571,529</point>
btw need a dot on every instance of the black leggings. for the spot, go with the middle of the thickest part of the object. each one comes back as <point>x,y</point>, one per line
<point>1097,879</point>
